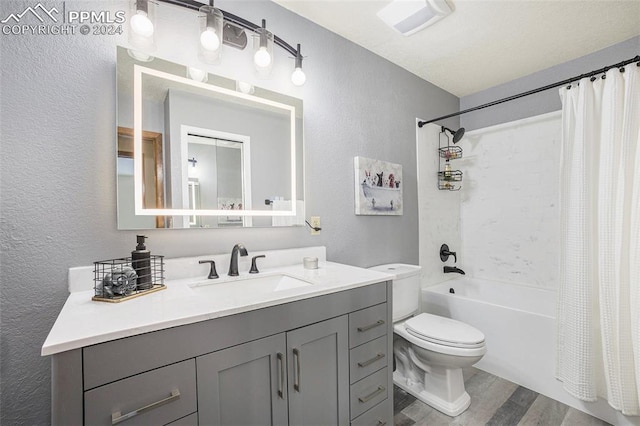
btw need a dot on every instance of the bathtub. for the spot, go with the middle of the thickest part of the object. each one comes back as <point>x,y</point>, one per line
<point>519,325</point>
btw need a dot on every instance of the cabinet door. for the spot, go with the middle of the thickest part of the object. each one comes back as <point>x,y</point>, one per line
<point>318,376</point>
<point>244,385</point>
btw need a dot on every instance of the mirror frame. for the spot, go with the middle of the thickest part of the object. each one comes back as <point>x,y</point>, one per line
<point>140,209</point>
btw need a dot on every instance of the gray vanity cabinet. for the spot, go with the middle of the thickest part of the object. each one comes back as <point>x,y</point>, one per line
<point>319,373</point>
<point>244,385</point>
<point>305,370</point>
<point>285,364</point>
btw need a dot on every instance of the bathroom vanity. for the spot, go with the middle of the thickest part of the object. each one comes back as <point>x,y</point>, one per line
<point>315,354</point>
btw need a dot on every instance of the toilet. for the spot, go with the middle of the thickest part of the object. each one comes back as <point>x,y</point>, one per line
<point>430,351</point>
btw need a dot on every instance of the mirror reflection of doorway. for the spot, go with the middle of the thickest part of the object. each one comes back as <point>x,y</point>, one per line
<point>153,184</point>
<point>216,178</point>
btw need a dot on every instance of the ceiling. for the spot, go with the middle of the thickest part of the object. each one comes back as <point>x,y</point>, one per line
<point>483,43</point>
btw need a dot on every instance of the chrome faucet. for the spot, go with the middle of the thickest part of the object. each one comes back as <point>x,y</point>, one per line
<point>233,266</point>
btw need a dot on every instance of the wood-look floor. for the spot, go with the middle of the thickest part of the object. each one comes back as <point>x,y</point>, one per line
<point>494,401</point>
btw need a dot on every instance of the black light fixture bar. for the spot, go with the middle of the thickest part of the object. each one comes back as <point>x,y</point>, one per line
<point>538,90</point>
<point>234,19</point>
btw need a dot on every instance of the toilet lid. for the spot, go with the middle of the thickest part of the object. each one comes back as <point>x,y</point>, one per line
<point>444,331</point>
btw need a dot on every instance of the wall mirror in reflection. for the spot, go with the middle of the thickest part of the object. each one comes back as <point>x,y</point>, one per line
<point>202,154</point>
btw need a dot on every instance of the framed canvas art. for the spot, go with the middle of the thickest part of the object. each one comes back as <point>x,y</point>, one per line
<point>378,187</point>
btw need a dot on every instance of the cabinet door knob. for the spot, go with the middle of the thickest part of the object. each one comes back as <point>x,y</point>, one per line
<point>117,417</point>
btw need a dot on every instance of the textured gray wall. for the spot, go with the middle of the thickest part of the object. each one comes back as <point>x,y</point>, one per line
<point>58,179</point>
<point>542,102</point>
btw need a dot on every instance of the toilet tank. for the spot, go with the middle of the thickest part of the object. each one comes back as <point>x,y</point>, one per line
<point>406,288</point>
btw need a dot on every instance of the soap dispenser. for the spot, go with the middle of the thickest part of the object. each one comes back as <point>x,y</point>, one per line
<point>141,262</point>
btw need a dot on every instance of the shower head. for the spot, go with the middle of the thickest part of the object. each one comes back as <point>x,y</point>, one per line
<point>457,135</point>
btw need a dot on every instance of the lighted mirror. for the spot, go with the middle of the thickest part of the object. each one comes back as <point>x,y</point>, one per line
<point>205,153</point>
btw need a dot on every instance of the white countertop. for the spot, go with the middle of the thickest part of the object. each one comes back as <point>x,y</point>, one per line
<point>84,322</point>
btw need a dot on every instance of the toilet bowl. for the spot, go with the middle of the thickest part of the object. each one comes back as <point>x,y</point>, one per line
<point>430,351</point>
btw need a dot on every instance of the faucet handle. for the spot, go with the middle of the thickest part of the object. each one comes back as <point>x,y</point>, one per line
<point>212,272</point>
<point>254,267</point>
<point>445,253</point>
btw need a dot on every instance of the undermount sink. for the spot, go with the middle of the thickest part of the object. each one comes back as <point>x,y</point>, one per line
<point>249,286</point>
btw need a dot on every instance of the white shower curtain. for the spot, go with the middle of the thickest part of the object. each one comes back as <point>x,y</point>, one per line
<point>599,295</point>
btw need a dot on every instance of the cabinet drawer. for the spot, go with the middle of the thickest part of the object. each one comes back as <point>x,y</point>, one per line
<point>367,324</point>
<point>157,397</point>
<point>377,416</point>
<point>367,358</point>
<point>190,420</point>
<point>368,392</point>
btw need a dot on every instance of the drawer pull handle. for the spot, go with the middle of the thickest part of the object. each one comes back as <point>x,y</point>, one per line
<point>371,361</point>
<point>370,326</point>
<point>372,395</point>
<point>281,382</point>
<point>117,417</point>
<point>381,423</point>
<point>296,381</point>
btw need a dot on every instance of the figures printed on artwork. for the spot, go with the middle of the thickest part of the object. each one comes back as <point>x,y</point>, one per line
<point>379,188</point>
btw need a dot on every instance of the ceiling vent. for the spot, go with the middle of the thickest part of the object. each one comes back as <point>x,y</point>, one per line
<point>410,16</point>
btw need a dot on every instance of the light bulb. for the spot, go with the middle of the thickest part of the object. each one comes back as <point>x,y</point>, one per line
<point>262,57</point>
<point>245,88</point>
<point>210,40</point>
<point>139,56</point>
<point>141,24</point>
<point>297,77</point>
<point>197,74</point>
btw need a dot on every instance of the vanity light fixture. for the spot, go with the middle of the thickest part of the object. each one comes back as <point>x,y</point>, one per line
<point>142,24</point>
<point>298,77</point>
<point>217,28</point>
<point>211,33</point>
<point>263,48</point>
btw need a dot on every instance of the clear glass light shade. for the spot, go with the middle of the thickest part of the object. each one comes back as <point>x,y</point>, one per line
<point>263,51</point>
<point>142,25</point>
<point>298,77</point>
<point>210,39</point>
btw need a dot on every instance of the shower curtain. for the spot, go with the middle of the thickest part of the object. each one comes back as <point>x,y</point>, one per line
<point>599,294</point>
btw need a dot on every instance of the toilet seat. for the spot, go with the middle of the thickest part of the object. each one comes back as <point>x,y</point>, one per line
<point>441,343</point>
<point>445,331</point>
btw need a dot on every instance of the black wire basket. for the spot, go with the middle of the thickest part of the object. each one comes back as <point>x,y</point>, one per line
<point>450,152</point>
<point>116,280</point>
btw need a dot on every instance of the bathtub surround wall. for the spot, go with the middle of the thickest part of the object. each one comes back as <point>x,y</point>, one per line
<point>58,168</point>
<point>509,210</point>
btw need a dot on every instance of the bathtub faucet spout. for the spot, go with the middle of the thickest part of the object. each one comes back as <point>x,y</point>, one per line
<point>450,269</point>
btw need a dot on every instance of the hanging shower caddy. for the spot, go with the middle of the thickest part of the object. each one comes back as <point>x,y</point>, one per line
<point>448,178</point>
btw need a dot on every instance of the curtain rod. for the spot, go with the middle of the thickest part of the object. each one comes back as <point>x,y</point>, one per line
<point>539,89</point>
